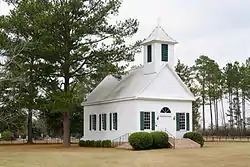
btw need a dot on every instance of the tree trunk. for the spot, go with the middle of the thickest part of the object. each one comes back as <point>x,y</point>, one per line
<point>244,113</point>
<point>217,111</point>
<point>231,111</point>
<point>210,106</point>
<point>30,136</point>
<point>211,114</point>
<point>203,109</point>
<point>66,115</point>
<point>223,113</point>
<point>66,129</point>
<point>238,110</point>
<point>216,115</point>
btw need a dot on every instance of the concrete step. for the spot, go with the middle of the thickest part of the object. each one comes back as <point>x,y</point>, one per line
<point>186,143</point>
<point>125,146</point>
<point>171,141</point>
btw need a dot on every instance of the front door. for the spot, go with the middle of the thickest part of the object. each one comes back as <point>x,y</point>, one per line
<point>165,123</point>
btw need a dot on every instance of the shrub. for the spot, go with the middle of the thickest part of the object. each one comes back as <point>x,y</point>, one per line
<point>141,140</point>
<point>93,143</point>
<point>98,143</point>
<point>160,140</point>
<point>195,136</point>
<point>82,143</point>
<point>87,143</point>
<point>106,143</point>
<point>6,135</point>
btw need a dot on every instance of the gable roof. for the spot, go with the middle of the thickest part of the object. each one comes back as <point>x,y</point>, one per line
<point>167,85</point>
<point>158,34</point>
<point>113,89</point>
<point>133,86</point>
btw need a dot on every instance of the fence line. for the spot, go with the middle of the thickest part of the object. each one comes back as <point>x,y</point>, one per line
<point>75,141</point>
<point>43,141</point>
<point>227,138</point>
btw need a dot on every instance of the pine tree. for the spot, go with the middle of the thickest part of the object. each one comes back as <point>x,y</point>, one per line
<point>21,81</point>
<point>228,76</point>
<point>203,75</point>
<point>245,87</point>
<point>73,42</point>
<point>215,91</point>
<point>237,80</point>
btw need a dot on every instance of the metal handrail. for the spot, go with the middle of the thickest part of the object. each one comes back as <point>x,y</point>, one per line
<point>120,140</point>
<point>171,136</point>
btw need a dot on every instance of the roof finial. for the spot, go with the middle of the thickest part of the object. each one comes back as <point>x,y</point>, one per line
<point>158,21</point>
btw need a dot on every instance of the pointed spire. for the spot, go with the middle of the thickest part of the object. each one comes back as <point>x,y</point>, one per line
<point>158,22</point>
<point>158,34</point>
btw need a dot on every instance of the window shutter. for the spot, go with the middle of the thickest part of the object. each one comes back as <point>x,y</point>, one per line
<point>177,121</point>
<point>105,122</point>
<point>187,121</point>
<point>164,52</point>
<point>149,54</point>
<point>116,121</point>
<point>94,122</point>
<point>153,120</point>
<point>142,120</point>
<point>100,122</point>
<point>90,121</point>
<point>110,121</point>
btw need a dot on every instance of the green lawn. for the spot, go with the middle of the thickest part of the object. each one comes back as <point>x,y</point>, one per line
<point>212,155</point>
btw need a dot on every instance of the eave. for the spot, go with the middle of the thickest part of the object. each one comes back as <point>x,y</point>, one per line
<point>136,98</point>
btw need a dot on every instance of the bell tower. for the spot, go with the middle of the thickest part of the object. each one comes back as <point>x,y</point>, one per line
<point>158,50</point>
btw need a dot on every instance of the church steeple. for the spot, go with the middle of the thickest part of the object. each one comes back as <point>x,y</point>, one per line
<point>158,50</point>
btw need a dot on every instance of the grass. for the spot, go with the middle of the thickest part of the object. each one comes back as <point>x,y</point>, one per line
<point>212,155</point>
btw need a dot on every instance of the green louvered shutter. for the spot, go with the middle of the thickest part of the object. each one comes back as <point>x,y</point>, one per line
<point>142,120</point>
<point>90,121</point>
<point>110,121</point>
<point>164,52</point>
<point>105,122</point>
<point>94,122</point>
<point>149,49</point>
<point>177,121</point>
<point>115,121</point>
<point>100,122</point>
<point>153,120</point>
<point>187,121</point>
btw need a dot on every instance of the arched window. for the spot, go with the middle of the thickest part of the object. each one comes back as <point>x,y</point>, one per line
<point>165,110</point>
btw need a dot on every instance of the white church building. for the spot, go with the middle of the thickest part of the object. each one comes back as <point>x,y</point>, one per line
<point>149,98</point>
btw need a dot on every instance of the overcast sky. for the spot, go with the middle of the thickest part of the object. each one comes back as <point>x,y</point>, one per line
<point>219,29</point>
